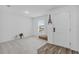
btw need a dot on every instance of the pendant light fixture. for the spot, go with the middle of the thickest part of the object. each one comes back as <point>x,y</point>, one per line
<point>49,21</point>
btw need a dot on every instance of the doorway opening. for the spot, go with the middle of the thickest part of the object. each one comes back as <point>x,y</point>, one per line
<point>42,30</point>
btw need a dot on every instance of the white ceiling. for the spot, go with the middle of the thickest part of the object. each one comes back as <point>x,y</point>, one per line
<point>34,10</point>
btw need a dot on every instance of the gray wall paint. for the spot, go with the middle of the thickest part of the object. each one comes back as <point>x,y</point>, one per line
<point>12,24</point>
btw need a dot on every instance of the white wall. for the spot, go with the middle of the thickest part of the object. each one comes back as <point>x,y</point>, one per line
<point>12,24</point>
<point>73,36</point>
<point>77,11</point>
<point>75,27</point>
<point>1,23</point>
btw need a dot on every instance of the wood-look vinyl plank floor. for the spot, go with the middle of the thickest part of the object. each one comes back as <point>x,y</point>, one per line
<point>21,46</point>
<point>54,49</point>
